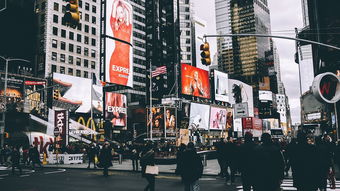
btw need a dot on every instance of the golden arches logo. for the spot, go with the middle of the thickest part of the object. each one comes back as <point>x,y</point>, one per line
<point>90,124</point>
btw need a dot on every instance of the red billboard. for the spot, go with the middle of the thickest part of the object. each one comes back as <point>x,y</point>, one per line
<point>195,81</point>
<point>252,125</point>
<point>116,109</point>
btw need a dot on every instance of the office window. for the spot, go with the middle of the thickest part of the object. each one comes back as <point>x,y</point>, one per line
<point>87,6</point>
<point>62,69</point>
<point>93,42</point>
<point>78,61</point>
<point>94,9</point>
<point>86,74</point>
<point>93,19</point>
<point>70,47</point>
<point>79,37</point>
<point>70,59</point>
<point>42,30</point>
<point>55,31</point>
<point>187,33</point>
<point>56,6</point>
<point>78,73</point>
<point>86,63</point>
<point>86,40</point>
<point>93,31</point>
<point>188,49</point>
<point>62,58</point>
<point>188,57</point>
<point>79,49</point>
<point>63,33</point>
<point>54,43</point>
<point>62,45</point>
<point>55,18</point>
<point>93,53</point>
<point>63,9</point>
<point>79,27</point>
<point>87,17</point>
<point>54,68</point>
<point>42,18</point>
<point>70,71</point>
<point>87,28</point>
<point>93,64</point>
<point>54,56</point>
<point>86,51</point>
<point>71,36</point>
<point>80,3</point>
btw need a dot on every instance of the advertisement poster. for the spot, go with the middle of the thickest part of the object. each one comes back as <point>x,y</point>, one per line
<point>170,122</point>
<point>199,116</point>
<point>184,137</point>
<point>241,93</point>
<point>265,84</point>
<point>195,81</point>
<point>75,94</point>
<point>252,125</point>
<point>221,86</point>
<point>157,122</point>
<point>61,123</point>
<point>218,118</point>
<point>34,102</point>
<point>270,123</point>
<point>118,56</point>
<point>265,95</point>
<point>116,109</point>
<point>229,118</point>
<point>15,91</point>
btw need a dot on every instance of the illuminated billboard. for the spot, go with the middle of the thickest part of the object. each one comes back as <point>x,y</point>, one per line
<point>218,118</point>
<point>156,125</point>
<point>221,86</point>
<point>195,81</point>
<point>199,116</point>
<point>241,93</point>
<point>116,109</point>
<point>34,99</point>
<point>265,95</point>
<point>118,55</point>
<point>170,122</point>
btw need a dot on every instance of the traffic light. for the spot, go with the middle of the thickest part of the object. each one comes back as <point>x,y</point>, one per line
<point>205,54</point>
<point>72,15</point>
<point>56,94</point>
<point>6,135</point>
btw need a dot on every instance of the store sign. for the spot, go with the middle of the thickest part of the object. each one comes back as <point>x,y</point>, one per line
<point>326,87</point>
<point>241,110</point>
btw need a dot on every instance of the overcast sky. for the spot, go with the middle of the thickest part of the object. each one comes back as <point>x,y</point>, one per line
<point>285,16</point>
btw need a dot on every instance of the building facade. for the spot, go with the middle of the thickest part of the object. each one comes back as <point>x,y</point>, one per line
<point>185,25</point>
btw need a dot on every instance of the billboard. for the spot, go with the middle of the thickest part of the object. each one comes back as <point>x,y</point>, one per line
<point>170,122</point>
<point>252,125</point>
<point>218,118</point>
<point>265,95</point>
<point>116,109</point>
<point>195,81</point>
<point>221,86</point>
<point>35,99</point>
<point>199,116</point>
<point>270,123</point>
<point>61,123</point>
<point>265,83</point>
<point>118,55</point>
<point>157,122</point>
<point>229,118</point>
<point>241,93</point>
<point>75,94</point>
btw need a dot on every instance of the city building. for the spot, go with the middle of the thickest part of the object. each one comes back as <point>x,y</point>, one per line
<point>199,30</point>
<point>185,27</point>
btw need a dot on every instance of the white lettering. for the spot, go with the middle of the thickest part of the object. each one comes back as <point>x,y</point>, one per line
<point>120,69</point>
<point>116,109</point>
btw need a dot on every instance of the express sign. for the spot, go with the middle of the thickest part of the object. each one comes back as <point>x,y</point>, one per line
<point>326,87</point>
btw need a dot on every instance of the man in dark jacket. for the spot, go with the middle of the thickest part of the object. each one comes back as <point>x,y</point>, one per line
<point>148,159</point>
<point>230,154</point>
<point>15,158</point>
<point>192,168</point>
<point>220,146</point>
<point>105,158</point>
<point>91,153</point>
<point>269,165</point>
<point>246,161</point>
<point>34,156</point>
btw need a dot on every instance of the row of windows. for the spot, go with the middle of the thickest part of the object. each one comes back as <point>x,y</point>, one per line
<point>70,71</point>
<point>71,36</point>
<point>87,6</point>
<point>86,27</point>
<point>71,48</point>
<point>62,59</point>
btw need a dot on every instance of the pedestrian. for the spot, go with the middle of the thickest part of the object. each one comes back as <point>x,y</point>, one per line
<point>287,154</point>
<point>105,158</point>
<point>91,153</point>
<point>269,165</point>
<point>34,156</point>
<point>230,154</point>
<point>192,168</point>
<point>220,147</point>
<point>134,157</point>
<point>179,159</point>
<point>148,159</point>
<point>15,159</point>
<point>303,160</point>
<point>6,152</point>
<point>246,161</point>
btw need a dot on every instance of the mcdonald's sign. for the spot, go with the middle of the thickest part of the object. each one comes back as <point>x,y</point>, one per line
<point>90,123</point>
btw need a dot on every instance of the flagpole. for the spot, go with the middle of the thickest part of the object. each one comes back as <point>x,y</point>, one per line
<point>150,86</point>
<point>92,101</point>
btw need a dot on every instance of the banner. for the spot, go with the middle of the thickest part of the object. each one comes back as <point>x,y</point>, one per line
<point>34,102</point>
<point>221,86</point>
<point>218,118</point>
<point>241,93</point>
<point>157,122</point>
<point>60,122</point>
<point>170,122</point>
<point>195,81</point>
<point>265,95</point>
<point>118,55</point>
<point>116,109</point>
<point>183,137</point>
<point>199,116</point>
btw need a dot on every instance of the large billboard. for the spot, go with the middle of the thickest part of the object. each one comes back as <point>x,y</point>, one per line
<point>116,109</point>
<point>118,55</point>
<point>199,116</point>
<point>241,93</point>
<point>76,94</point>
<point>218,118</point>
<point>156,125</point>
<point>221,86</point>
<point>253,126</point>
<point>170,122</point>
<point>34,102</point>
<point>195,81</point>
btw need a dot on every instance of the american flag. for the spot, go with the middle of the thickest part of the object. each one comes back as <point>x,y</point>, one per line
<point>158,71</point>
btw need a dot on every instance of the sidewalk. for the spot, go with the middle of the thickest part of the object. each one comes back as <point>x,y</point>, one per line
<point>212,167</point>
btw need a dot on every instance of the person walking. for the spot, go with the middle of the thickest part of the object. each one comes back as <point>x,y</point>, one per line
<point>91,153</point>
<point>179,159</point>
<point>148,159</point>
<point>246,161</point>
<point>105,158</point>
<point>15,159</point>
<point>230,154</point>
<point>220,147</point>
<point>269,167</point>
<point>192,168</point>
<point>34,156</point>
<point>135,157</point>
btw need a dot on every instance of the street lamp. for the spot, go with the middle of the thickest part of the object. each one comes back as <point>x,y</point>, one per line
<point>2,129</point>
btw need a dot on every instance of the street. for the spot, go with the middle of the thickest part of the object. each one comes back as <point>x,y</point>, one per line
<point>54,179</point>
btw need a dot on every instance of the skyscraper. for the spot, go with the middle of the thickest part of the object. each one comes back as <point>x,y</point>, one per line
<point>185,22</point>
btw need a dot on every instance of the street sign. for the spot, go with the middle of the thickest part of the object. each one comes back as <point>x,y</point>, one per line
<point>326,87</point>
<point>241,110</point>
<point>56,132</point>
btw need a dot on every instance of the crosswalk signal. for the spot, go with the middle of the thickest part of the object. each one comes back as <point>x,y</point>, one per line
<point>72,15</point>
<point>205,54</point>
<point>56,94</point>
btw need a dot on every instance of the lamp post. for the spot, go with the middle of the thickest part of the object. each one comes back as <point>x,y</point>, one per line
<point>2,129</point>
